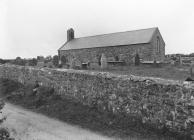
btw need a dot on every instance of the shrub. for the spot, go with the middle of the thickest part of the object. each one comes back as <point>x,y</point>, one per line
<point>33,62</point>
<point>4,133</point>
<point>8,86</point>
<point>55,61</point>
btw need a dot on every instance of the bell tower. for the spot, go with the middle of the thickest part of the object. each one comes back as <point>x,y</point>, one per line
<point>70,34</point>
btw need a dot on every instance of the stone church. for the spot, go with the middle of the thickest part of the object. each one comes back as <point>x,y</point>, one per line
<point>120,46</point>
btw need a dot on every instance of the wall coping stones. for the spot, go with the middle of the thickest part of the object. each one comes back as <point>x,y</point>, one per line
<point>110,75</point>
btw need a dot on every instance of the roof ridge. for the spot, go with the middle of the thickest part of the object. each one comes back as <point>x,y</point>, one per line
<point>116,32</point>
<point>111,39</point>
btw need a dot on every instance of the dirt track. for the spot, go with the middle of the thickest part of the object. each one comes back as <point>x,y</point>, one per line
<point>26,125</point>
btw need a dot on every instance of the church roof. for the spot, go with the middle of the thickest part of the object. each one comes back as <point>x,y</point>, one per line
<point>112,39</point>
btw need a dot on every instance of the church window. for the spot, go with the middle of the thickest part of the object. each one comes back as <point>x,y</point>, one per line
<point>158,45</point>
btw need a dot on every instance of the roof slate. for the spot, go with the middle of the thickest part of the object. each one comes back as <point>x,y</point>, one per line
<point>112,39</point>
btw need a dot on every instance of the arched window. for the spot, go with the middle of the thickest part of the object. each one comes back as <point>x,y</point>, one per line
<point>158,45</point>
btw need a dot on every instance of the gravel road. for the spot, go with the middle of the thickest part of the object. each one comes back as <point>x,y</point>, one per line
<point>27,125</point>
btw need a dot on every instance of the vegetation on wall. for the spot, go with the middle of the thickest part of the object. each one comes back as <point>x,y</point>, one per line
<point>147,100</point>
<point>45,100</point>
<point>4,133</point>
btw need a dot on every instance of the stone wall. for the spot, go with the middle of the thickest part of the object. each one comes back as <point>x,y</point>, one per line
<point>128,52</point>
<point>161,54</point>
<point>155,102</point>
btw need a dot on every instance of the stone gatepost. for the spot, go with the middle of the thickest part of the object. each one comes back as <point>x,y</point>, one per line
<point>103,61</point>
<point>192,71</point>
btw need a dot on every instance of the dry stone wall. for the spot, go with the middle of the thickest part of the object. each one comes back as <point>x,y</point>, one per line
<point>156,102</point>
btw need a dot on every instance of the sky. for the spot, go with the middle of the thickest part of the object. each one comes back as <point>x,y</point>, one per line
<point>29,28</point>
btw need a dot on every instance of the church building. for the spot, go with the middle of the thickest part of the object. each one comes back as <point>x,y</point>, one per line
<point>119,46</point>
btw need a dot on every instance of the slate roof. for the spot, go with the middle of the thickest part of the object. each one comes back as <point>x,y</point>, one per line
<point>112,39</point>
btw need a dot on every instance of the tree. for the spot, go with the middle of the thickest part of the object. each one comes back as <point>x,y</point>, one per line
<point>40,58</point>
<point>33,62</point>
<point>56,60</point>
<point>2,61</point>
<point>18,58</point>
<point>19,61</point>
<point>137,60</point>
<point>191,54</point>
<point>48,59</point>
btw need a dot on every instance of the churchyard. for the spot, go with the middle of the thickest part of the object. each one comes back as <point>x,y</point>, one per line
<point>164,71</point>
<point>161,70</point>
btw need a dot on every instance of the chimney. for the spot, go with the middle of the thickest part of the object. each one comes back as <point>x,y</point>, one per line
<point>70,34</point>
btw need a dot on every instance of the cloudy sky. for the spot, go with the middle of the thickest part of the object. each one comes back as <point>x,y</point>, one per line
<point>38,27</point>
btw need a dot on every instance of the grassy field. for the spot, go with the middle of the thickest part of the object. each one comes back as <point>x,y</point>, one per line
<point>166,71</point>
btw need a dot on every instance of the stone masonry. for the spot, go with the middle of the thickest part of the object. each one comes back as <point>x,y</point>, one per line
<point>157,102</point>
<point>148,43</point>
<point>128,52</point>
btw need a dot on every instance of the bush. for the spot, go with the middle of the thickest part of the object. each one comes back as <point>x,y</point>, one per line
<point>4,133</point>
<point>19,61</point>
<point>45,101</point>
<point>8,86</point>
<point>42,96</point>
<point>33,62</point>
<point>55,61</point>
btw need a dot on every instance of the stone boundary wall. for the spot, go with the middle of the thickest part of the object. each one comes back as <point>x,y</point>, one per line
<point>157,102</point>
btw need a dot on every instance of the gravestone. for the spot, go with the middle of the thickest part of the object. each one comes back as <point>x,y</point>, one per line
<point>103,61</point>
<point>172,62</point>
<point>180,60</point>
<point>192,71</point>
<point>121,57</point>
<point>110,59</point>
<point>192,62</point>
<point>50,64</point>
<point>95,60</point>
<point>137,60</point>
<point>190,79</point>
<point>40,64</point>
<point>94,64</point>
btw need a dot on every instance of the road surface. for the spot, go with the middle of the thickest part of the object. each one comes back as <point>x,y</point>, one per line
<point>27,125</point>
